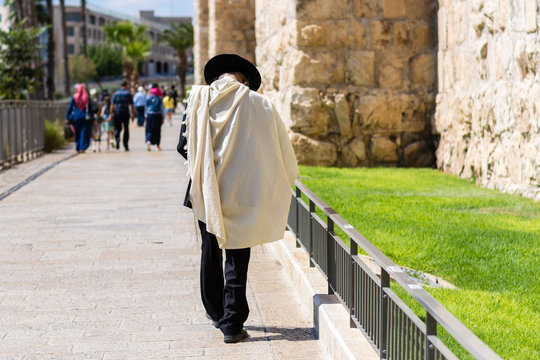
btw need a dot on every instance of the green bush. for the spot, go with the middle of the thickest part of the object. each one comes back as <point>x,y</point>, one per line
<point>54,136</point>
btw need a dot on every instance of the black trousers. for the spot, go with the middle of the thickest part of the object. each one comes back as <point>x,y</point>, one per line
<point>224,298</point>
<point>121,120</point>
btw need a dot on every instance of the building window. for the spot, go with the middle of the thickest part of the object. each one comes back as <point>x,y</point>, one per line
<point>165,68</point>
<point>73,16</point>
<point>70,31</point>
<point>71,49</point>
<point>158,67</point>
<point>101,21</point>
<point>92,20</point>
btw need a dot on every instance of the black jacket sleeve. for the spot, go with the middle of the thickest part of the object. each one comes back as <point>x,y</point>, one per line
<point>181,148</point>
<point>182,141</point>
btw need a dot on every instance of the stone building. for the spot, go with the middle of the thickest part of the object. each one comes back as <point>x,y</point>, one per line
<point>160,62</point>
<point>394,82</point>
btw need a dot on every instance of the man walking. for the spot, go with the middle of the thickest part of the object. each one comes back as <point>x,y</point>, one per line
<point>242,166</point>
<point>122,104</point>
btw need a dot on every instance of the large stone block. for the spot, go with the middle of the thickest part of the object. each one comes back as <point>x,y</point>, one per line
<point>420,9</point>
<point>390,70</point>
<point>379,112</point>
<point>358,148</point>
<point>322,9</point>
<point>319,68</point>
<point>341,110</point>
<point>383,149</point>
<point>423,37</point>
<point>394,9</point>
<point>366,8</point>
<point>307,113</point>
<point>313,152</point>
<point>423,70</point>
<point>312,35</point>
<point>418,154</point>
<point>381,34</point>
<point>531,14</point>
<point>360,68</point>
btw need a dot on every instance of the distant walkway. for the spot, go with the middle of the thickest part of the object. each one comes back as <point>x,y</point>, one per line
<point>99,260</point>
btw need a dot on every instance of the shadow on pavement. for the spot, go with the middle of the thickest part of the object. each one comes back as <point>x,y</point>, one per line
<point>281,333</point>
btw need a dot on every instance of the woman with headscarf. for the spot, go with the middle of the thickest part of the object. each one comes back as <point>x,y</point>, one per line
<point>154,118</point>
<point>79,106</point>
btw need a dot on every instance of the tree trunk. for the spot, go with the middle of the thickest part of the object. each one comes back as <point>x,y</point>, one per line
<point>67,91</point>
<point>50,53</point>
<point>181,71</point>
<point>31,13</point>
<point>18,9</point>
<point>84,30</point>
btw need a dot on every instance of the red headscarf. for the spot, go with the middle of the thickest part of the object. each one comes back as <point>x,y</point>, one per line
<point>156,92</point>
<point>81,97</point>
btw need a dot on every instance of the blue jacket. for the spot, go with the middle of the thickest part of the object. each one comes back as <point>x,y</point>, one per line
<point>74,113</point>
<point>154,105</point>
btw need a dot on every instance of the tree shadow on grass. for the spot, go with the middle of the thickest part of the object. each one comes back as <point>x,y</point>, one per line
<point>280,333</point>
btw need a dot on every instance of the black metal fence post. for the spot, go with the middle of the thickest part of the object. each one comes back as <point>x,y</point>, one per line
<point>329,252</point>
<point>383,334</point>
<point>310,232</point>
<point>431,330</point>
<point>298,194</point>
<point>352,308</point>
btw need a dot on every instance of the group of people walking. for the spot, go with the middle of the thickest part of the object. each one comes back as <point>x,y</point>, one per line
<point>111,118</point>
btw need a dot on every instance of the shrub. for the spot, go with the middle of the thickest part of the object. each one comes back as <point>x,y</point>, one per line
<point>54,136</point>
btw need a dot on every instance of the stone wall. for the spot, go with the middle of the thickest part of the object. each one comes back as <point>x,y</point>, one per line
<point>488,102</point>
<point>200,48</point>
<point>225,26</point>
<point>354,79</point>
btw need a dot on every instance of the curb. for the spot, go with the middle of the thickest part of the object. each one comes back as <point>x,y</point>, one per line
<point>331,324</point>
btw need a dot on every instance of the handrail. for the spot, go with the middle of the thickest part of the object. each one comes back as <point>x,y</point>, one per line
<point>22,128</point>
<point>434,309</point>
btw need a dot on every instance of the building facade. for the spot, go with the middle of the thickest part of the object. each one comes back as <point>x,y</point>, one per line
<point>160,63</point>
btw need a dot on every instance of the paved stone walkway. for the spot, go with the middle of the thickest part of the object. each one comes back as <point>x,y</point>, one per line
<point>98,260</point>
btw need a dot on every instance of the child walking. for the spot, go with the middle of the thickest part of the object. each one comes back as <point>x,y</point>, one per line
<point>168,102</point>
<point>108,125</point>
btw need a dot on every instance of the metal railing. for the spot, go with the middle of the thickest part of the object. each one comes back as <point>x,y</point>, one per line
<point>392,327</point>
<point>22,128</point>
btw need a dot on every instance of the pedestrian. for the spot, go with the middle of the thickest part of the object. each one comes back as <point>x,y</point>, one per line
<point>139,101</point>
<point>95,132</point>
<point>168,102</point>
<point>174,95</point>
<point>241,166</point>
<point>122,105</point>
<point>154,118</point>
<point>108,124</point>
<point>79,114</point>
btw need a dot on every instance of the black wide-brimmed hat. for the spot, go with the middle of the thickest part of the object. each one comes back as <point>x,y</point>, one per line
<point>227,63</point>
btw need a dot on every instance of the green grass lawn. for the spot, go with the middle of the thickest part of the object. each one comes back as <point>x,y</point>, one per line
<point>484,242</point>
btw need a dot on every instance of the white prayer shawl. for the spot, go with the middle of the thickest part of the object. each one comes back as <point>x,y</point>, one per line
<point>241,162</point>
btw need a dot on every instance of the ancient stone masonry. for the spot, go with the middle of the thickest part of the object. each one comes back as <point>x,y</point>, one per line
<point>354,79</point>
<point>386,82</point>
<point>488,102</point>
<point>223,26</point>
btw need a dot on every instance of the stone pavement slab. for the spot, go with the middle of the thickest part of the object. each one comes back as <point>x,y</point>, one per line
<point>99,260</point>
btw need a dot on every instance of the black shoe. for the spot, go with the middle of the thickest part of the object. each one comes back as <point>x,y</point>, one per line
<point>231,339</point>
<point>214,322</point>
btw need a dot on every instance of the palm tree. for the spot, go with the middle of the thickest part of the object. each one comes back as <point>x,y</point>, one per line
<point>50,52</point>
<point>134,43</point>
<point>64,39</point>
<point>180,38</point>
